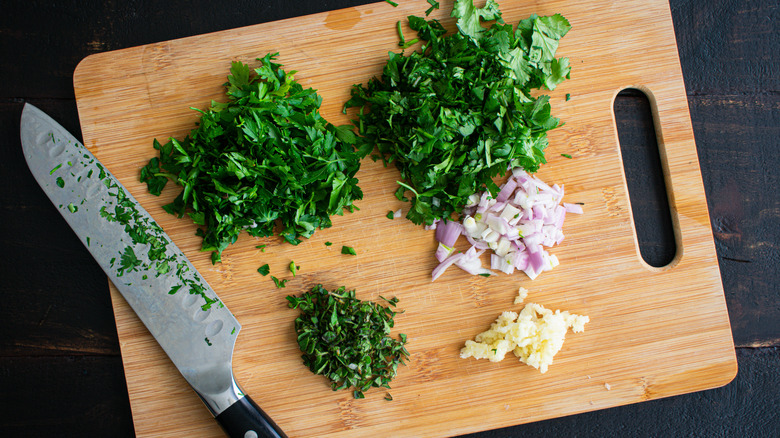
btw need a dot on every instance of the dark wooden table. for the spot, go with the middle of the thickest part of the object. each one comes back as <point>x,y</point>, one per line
<point>60,366</point>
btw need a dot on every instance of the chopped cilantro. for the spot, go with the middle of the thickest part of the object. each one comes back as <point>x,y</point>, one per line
<point>264,270</point>
<point>348,250</point>
<point>461,110</point>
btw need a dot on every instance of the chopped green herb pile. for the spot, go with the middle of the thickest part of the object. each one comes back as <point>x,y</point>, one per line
<point>348,340</point>
<point>459,111</point>
<point>264,156</point>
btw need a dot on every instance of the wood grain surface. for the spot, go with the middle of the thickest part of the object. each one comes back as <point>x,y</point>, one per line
<point>653,332</point>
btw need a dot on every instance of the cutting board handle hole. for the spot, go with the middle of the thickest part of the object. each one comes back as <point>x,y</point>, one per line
<point>644,168</point>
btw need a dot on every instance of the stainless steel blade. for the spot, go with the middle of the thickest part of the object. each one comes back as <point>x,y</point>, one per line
<point>178,307</point>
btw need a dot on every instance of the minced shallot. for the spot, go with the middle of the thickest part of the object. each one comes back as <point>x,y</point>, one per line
<point>524,218</point>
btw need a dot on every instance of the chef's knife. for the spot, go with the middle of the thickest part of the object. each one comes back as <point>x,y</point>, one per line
<point>179,308</point>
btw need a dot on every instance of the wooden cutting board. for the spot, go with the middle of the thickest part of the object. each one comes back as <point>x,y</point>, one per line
<point>653,332</point>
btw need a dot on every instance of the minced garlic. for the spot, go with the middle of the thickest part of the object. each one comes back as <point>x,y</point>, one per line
<point>534,336</point>
<point>522,294</point>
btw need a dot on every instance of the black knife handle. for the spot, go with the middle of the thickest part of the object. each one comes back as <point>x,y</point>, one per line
<point>244,419</point>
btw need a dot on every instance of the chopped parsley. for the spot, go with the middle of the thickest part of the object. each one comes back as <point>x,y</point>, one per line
<point>348,250</point>
<point>264,270</point>
<point>264,157</point>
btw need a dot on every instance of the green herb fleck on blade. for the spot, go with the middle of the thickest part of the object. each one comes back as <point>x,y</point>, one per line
<point>264,270</point>
<point>56,168</point>
<point>348,250</point>
<point>279,283</point>
<point>72,208</point>
<point>60,182</point>
<point>207,341</point>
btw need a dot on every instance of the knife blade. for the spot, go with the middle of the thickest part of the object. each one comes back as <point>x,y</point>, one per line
<point>178,307</point>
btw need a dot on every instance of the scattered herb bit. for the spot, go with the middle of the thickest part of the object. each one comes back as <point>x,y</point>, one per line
<point>568,96</point>
<point>207,341</point>
<point>56,168</point>
<point>434,5</point>
<point>390,214</point>
<point>391,3</point>
<point>279,283</point>
<point>348,340</point>
<point>265,156</point>
<point>60,182</point>
<point>72,208</point>
<point>388,397</point>
<point>460,111</point>
<point>294,268</point>
<point>566,155</point>
<point>261,247</point>
<point>264,270</point>
<point>233,332</point>
<point>328,243</point>
<point>484,275</point>
<point>87,240</point>
<point>348,250</point>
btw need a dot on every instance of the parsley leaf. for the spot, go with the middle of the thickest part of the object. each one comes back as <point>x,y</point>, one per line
<point>348,250</point>
<point>264,270</point>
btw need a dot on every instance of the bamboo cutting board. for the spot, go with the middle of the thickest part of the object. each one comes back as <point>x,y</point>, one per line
<point>654,332</point>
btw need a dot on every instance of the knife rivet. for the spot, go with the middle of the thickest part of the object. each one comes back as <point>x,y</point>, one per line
<point>250,434</point>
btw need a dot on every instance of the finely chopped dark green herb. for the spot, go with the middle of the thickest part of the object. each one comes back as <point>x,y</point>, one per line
<point>459,111</point>
<point>264,156</point>
<point>348,340</point>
